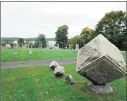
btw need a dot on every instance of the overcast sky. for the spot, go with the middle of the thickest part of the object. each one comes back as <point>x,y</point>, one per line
<point>28,19</point>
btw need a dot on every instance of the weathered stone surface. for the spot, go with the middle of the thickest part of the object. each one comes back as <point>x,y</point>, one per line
<point>104,89</point>
<point>59,71</point>
<point>100,61</point>
<point>53,65</point>
<point>69,79</point>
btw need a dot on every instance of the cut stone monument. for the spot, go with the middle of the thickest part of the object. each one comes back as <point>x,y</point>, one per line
<point>100,61</point>
<point>53,65</point>
<point>76,47</point>
<point>59,71</point>
<point>69,79</point>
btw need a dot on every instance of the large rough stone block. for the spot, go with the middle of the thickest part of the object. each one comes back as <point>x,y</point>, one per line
<point>100,61</point>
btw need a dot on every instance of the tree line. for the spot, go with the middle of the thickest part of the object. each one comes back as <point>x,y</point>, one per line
<point>112,26</point>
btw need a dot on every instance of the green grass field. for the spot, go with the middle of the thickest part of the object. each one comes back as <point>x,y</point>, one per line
<point>39,84</point>
<point>37,53</point>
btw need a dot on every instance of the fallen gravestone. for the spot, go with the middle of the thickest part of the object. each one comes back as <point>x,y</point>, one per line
<point>14,53</point>
<point>53,65</point>
<point>59,71</point>
<point>69,79</point>
<point>100,62</point>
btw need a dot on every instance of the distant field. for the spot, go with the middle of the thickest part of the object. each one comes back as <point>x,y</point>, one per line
<point>39,84</point>
<point>37,53</point>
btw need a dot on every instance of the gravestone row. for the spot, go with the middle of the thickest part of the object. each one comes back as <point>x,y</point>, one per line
<point>59,72</point>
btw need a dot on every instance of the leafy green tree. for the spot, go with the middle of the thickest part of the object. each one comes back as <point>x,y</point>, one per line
<point>41,38</point>
<point>20,42</point>
<point>113,27</point>
<point>61,36</point>
<point>76,40</point>
<point>86,35</point>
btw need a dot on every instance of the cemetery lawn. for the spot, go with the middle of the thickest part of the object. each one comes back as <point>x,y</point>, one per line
<point>37,53</point>
<point>39,84</point>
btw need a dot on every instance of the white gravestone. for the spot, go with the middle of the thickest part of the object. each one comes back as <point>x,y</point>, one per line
<point>76,47</point>
<point>100,61</point>
<point>8,46</point>
<point>57,45</point>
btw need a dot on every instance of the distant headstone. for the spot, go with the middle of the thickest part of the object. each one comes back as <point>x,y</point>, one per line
<point>53,65</point>
<point>8,46</point>
<point>72,50</point>
<point>57,46</point>
<point>100,61</point>
<point>69,79</point>
<point>69,46</point>
<point>30,52</point>
<point>59,71</point>
<point>76,47</point>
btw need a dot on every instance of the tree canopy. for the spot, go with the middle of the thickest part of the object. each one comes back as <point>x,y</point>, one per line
<point>86,35</point>
<point>113,27</point>
<point>20,41</point>
<point>41,38</point>
<point>61,36</point>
